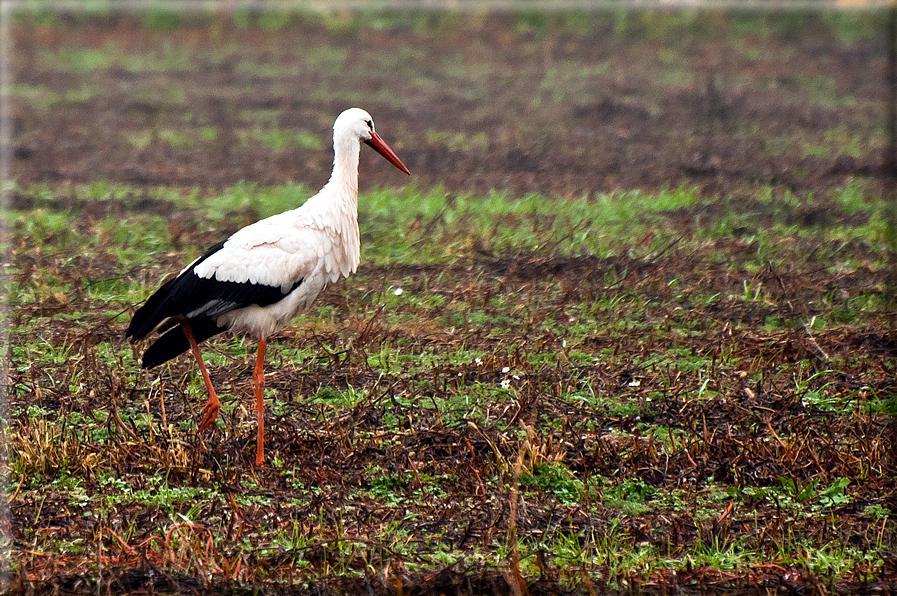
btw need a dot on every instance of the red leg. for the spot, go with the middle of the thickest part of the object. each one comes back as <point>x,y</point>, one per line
<point>259,378</point>
<point>210,411</point>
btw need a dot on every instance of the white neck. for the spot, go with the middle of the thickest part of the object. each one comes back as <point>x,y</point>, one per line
<point>343,183</point>
<point>338,204</point>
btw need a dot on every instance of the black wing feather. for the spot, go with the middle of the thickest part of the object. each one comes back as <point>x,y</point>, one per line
<point>161,302</point>
<point>198,299</point>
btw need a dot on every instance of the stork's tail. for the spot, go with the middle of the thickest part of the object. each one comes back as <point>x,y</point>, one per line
<point>174,342</point>
<point>154,311</point>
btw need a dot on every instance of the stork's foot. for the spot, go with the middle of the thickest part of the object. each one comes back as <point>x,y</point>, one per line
<point>209,415</point>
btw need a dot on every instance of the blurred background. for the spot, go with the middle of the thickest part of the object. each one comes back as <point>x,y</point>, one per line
<point>562,102</point>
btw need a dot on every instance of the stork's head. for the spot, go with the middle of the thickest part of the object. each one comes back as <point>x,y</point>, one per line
<point>356,123</point>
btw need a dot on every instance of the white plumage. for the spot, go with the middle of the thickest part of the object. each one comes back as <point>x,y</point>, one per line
<point>265,274</point>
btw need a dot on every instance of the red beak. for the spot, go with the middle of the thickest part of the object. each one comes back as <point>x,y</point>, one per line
<point>380,146</point>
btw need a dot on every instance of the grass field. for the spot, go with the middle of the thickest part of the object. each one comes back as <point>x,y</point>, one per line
<point>663,364</point>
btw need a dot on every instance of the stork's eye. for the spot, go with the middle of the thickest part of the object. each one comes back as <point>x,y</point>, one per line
<point>370,125</point>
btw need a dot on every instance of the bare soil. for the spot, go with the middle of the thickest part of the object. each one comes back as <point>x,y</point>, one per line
<point>707,115</point>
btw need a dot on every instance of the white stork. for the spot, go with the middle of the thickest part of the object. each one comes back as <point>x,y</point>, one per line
<point>265,274</point>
